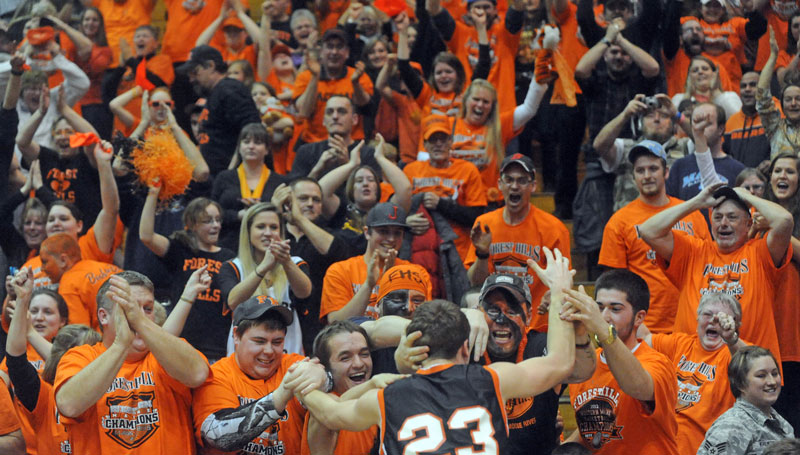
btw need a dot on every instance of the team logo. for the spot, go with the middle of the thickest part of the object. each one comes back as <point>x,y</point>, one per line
<point>597,422</point>
<point>688,391</point>
<point>517,407</point>
<point>132,419</point>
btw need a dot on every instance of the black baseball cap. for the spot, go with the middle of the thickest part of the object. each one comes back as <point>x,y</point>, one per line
<point>520,159</point>
<point>386,214</point>
<point>335,33</point>
<point>730,195</point>
<point>258,306</point>
<point>511,284</point>
<point>199,56</point>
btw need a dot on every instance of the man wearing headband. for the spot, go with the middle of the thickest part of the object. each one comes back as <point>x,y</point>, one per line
<point>732,263</point>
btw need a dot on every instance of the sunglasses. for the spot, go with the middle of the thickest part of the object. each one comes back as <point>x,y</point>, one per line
<point>168,104</point>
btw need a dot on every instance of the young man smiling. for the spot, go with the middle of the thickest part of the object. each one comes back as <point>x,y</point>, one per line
<point>504,239</point>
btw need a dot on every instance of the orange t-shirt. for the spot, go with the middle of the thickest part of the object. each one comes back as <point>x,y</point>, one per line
<point>79,286</point>
<point>571,46</point>
<point>677,69</point>
<point>460,181</point>
<point>161,66</point>
<point>347,442</point>
<point>704,391</point>
<point>469,143</point>
<point>622,424</point>
<point>89,250</point>
<point>29,432</point>
<point>730,31</point>
<point>342,280</point>
<point>697,267</point>
<point>335,10</point>
<point>33,358</point>
<point>45,423</point>
<point>437,103</point>
<point>512,246</point>
<point>184,27</point>
<point>315,131</point>
<point>8,417</point>
<point>787,312</point>
<point>246,53</point>
<point>623,249</point>
<point>122,19</point>
<point>229,387</point>
<point>502,51</point>
<point>143,411</point>
<point>781,28</point>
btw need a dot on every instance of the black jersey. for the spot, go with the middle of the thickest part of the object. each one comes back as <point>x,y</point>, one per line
<point>444,408</point>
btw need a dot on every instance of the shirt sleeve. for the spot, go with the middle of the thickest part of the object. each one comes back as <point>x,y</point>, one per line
<point>8,416</point>
<point>70,364</point>
<point>337,290</point>
<point>613,251</point>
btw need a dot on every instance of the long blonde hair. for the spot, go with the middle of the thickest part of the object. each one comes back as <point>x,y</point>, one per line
<point>277,276</point>
<point>494,141</point>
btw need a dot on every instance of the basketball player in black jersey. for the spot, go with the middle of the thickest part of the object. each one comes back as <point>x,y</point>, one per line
<point>449,404</point>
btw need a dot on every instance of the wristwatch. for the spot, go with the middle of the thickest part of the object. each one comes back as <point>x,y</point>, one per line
<point>612,335</point>
<point>606,41</point>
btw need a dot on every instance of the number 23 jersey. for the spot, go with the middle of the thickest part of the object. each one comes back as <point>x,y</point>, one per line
<point>444,408</point>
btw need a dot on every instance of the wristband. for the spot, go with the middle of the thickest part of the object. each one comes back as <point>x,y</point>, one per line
<point>17,73</point>
<point>481,255</point>
<point>184,299</point>
<point>260,275</point>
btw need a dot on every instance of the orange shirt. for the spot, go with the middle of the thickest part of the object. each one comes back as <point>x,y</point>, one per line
<point>512,246</point>
<point>315,131</point>
<point>621,423</point>
<point>229,387</point>
<point>704,391</point>
<point>469,143</point>
<point>433,102</point>
<point>185,26</point>
<point>342,280</point>
<point>503,48</point>
<point>45,423</point>
<point>122,19</point>
<point>787,312</point>
<point>748,274</point>
<point>623,249</point>
<point>460,181</point>
<point>144,411</point>
<point>571,46</point>
<point>161,66</point>
<point>33,358</point>
<point>79,286</point>
<point>29,432</point>
<point>8,418</point>
<point>89,250</point>
<point>677,69</point>
<point>246,53</point>
<point>732,32</point>
<point>347,442</point>
<point>335,10</point>
<point>781,36</point>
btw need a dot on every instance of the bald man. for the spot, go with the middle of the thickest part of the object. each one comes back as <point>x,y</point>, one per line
<point>78,279</point>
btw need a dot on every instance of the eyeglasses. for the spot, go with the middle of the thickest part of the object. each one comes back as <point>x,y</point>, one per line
<point>754,187</point>
<point>521,181</point>
<point>167,103</point>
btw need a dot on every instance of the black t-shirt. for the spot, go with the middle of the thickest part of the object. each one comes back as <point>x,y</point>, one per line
<point>8,134</point>
<point>228,109</point>
<point>227,192</point>
<point>532,420</point>
<point>74,180</point>
<point>209,321</point>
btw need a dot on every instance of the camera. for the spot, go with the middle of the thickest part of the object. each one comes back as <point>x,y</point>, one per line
<point>651,102</point>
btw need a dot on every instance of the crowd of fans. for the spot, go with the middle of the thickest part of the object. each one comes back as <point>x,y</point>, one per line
<point>189,212</point>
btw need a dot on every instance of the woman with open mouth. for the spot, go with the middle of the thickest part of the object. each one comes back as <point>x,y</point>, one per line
<point>751,424</point>
<point>782,189</point>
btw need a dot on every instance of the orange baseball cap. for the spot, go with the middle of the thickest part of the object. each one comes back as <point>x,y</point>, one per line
<point>435,124</point>
<point>232,21</point>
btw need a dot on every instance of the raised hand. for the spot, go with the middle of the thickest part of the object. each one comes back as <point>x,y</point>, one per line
<point>198,282</point>
<point>481,238</point>
<point>556,275</point>
<point>478,332</point>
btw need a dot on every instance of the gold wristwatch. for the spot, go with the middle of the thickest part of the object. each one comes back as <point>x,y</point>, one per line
<point>612,335</point>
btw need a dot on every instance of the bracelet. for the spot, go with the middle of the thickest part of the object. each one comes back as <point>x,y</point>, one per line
<point>184,299</point>
<point>259,275</point>
<point>481,255</point>
<point>17,73</point>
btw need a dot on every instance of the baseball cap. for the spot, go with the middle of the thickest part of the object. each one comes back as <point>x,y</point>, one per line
<point>730,195</point>
<point>232,21</point>
<point>435,124</point>
<point>335,33</point>
<point>386,214</point>
<point>470,2</point>
<point>199,56</point>
<point>41,35</point>
<point>647,146</point>
<point>520,159</point>
<point>258,306</point>
<point>706,2</point>
<point>512,284</point>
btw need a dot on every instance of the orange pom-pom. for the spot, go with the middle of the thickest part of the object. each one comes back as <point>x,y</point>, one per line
<point>160,158</point>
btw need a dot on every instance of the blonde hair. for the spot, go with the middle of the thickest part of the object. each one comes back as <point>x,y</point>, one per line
<point>716,84</point>
<point>277,276</point>
<point>494,141</point>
